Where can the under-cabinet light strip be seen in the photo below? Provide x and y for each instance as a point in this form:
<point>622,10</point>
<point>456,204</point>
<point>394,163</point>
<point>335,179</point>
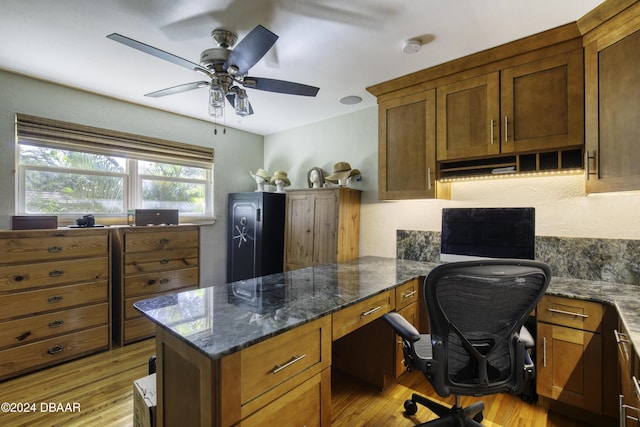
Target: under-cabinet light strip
<point>514,175</point>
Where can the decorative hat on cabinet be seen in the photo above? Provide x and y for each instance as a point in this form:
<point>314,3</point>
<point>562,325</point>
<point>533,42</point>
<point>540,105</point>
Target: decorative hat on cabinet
<point>261,177</point>
<point>280,180</point>
<point>341,173</point>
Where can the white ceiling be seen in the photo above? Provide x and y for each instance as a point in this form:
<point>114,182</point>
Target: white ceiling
<point>339,46</point>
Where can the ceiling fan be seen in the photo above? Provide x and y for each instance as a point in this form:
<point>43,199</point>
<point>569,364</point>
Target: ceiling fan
<point>226,69</point>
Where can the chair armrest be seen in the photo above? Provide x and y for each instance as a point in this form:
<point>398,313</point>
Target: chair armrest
<point>402,327</point>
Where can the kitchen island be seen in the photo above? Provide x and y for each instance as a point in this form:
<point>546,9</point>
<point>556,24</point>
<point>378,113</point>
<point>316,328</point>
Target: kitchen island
<point>259,352</point>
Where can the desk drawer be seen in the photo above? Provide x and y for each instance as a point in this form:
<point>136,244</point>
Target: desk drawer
<point>351,318</point>
<point>147,284</point>
<point>137,329</point>
<point>24,276</point>
<point>49,245</point>
<point>50,299</point>
<point>407,294</point>
<point>272,362</point>
<point>51,351</point>
<point>24,331</point>
<point>574,313</point>
<point>141,240</point>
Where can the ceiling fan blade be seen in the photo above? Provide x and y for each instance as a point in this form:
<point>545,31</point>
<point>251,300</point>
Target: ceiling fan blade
<point>231,97</point>
<point>158,53</point>
<point>251,49</point>
<point>177,89</point>
<point>280,86</point>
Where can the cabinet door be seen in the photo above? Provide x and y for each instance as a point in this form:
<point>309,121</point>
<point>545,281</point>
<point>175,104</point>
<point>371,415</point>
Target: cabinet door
<point>299,231</point>
<point>612,69</point>
<point>468,118</point>
<point>325,227</point>
<point>569,366</point>
<point>406,159</point>
<point>542,104</point>
<point>410,313</point>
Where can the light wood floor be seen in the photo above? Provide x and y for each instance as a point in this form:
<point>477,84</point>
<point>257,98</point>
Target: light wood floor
<point>102,385</point>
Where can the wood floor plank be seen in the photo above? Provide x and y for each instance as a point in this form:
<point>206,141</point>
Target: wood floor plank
<point>103,386</point>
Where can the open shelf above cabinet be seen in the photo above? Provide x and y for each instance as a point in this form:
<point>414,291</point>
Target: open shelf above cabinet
<point>518,164</point>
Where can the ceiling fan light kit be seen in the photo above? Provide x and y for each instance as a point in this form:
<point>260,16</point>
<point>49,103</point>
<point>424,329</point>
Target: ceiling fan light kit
<point>227,70</point>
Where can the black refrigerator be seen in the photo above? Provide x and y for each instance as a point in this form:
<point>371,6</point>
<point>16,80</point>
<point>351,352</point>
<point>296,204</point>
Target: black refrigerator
<point>256,235</point>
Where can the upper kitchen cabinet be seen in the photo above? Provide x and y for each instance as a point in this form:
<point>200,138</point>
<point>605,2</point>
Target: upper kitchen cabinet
<point>532,106</point>
<point>542,104</point>
<point>468,114</point>
<point>612,110</point>
<point>406,150</point>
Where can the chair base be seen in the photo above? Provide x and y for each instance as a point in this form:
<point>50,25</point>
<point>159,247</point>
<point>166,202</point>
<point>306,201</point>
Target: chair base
<point>455,416</point>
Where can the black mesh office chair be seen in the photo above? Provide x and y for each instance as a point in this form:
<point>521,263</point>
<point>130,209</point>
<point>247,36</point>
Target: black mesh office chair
<point>476,312</point>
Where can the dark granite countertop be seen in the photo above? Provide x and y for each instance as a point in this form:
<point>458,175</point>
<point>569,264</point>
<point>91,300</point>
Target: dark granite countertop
<point>223,319</point>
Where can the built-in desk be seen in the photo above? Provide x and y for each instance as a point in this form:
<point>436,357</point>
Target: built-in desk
<point>259,351</point>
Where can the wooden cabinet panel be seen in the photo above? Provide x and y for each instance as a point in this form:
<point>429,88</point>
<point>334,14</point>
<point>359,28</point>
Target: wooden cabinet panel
<point>409,312</point>
<point>147,262</point>
<point>150,238</point>
<point>407,293</point>
<point>468,118</point>
<point>406,147</point>
<point>574,313</point>
<point>321,226</point>
<point>146,284</point>
<point>542,104</point>
<point>612,82</point>
<point>569,366</point>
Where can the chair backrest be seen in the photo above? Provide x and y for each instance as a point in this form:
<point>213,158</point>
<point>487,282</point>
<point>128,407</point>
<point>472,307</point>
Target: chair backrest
<point>476,310</point>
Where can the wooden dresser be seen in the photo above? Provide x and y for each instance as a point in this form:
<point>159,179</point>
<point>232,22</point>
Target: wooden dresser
<point>54,297</point>
<point>149,262</point>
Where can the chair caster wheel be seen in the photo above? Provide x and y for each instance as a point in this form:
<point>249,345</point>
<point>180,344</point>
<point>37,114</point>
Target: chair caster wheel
<point>410,407</point>
<point>478,418</point>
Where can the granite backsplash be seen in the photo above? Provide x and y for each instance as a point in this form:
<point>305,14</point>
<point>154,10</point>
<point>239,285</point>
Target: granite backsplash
<point>608,260</point>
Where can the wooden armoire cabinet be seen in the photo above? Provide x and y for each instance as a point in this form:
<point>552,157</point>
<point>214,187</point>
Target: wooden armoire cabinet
<point>322,226</point>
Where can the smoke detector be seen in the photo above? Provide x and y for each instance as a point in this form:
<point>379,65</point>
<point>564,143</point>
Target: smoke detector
<point>411,46</point>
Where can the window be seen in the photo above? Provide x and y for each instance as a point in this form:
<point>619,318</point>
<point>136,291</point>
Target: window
<point>67,169</point>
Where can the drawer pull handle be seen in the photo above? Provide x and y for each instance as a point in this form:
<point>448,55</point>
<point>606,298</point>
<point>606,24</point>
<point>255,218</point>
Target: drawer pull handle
<point>408,294</point>
<point>164,241</point>
<point>544,352</point>
<point>54,249</point>
<point>55,299</point>
<point>164,281</point>
<point>151,282</point>
<point>293,360</point>
<point>618,336</point>
<point>55,349</point>
<point>23,336</point>
<point>370,312</point>
<point>18,278</point>
<point>56,323</point>
<point>568,313</point>
<point>164,261</point>
<point>56,273</point>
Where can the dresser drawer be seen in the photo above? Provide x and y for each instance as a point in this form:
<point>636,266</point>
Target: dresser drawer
<point>407,294</point>
<point>24,331</point>
<point>164,239</point>
<point>50,299</point>
<point>137,329</point>
<point>276,360</point>
<point>574,313</point>
<point>20,247</point>
<point>146,284</point>
<point>131,313</point>
<point>149,262</point>
<point>16,360</point>
<point>351,318</point>
<point>24,276</point>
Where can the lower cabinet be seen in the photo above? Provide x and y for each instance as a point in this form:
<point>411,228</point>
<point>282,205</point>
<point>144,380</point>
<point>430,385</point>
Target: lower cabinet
<point>407,297</point>
<point>573,365</point>
<point>629,392</point>
<point>283,381</point>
